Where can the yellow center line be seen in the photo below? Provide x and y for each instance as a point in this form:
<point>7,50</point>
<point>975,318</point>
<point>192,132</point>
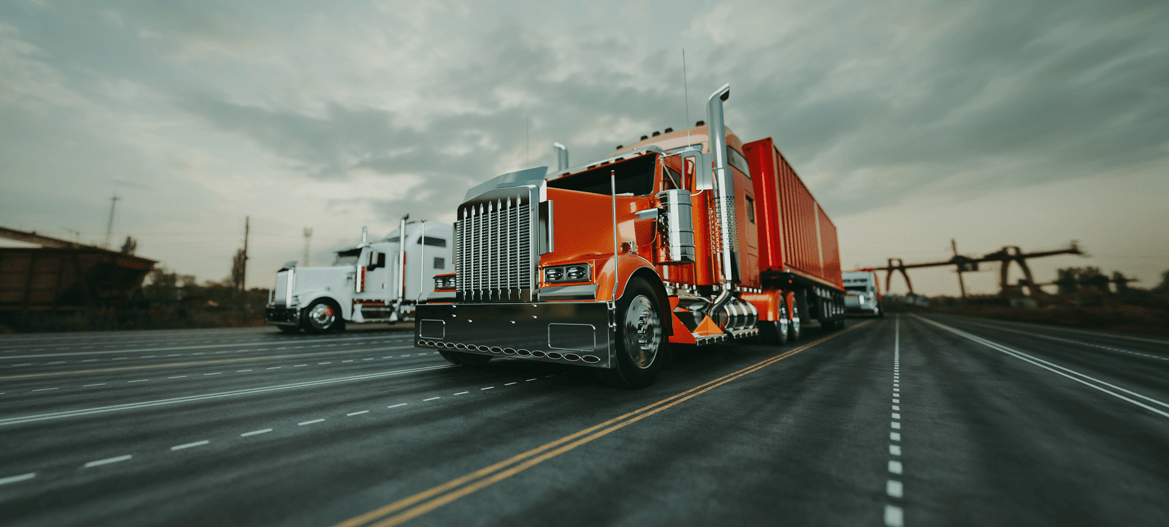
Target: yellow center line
<point>173,364</point>
<point>548,451</point>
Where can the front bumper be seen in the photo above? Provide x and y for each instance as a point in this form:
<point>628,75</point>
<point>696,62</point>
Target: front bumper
<point>578,332</point>
<point>282,316</point>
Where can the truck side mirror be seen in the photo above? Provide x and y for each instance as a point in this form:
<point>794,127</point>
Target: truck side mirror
<point>698,169</point>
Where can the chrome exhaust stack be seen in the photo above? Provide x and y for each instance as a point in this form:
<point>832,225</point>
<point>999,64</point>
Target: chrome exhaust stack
<point>401,268</point>
<point>561,157</point>
<point>724,188</point>
<point>724,202</point>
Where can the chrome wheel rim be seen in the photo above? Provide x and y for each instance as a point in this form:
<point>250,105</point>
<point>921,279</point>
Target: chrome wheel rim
<point>796,320</point>
<point>322,316</point>
<point>643,332</point>
<point>783,321</point>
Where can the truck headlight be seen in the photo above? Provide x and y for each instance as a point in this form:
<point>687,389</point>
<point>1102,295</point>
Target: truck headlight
<point>444,282</point>
<point>567,273</point>
<point>862,299</point>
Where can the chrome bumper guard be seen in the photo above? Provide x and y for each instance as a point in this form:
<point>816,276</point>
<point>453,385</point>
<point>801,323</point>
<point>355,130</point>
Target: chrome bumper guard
<point>573,332</point>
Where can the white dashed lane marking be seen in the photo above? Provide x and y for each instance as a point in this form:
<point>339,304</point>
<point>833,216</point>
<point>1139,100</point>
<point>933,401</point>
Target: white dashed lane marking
<point>107,461</point>
<point>256,432</point>
<point>310,422</point>
<point>190,445</point>
<point>357,413</point>
<point>894,514</point>
<point>14,479</point>
<point>431,399</point>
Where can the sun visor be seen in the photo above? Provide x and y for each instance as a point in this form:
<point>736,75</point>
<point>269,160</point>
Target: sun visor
<point>511,179</point>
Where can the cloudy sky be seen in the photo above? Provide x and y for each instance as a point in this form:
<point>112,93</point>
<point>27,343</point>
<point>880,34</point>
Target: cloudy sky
<point>913,122</point>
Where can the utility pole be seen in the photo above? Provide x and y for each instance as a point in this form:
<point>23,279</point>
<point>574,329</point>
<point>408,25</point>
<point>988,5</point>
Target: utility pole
<point>961,283</point>
<point>308,233</point>
<point>244,276</point>
<point>110,224</point>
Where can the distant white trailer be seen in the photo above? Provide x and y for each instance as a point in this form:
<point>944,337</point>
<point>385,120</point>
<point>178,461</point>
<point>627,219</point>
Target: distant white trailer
<point>378,281</point>
<point>863,293</point>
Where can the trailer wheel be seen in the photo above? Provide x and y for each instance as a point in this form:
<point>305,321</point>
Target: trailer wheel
<point>464,359</point>
<point>775,332</point>
<point>641,339</point>
<point>794,327</point>
<point>322,316</point>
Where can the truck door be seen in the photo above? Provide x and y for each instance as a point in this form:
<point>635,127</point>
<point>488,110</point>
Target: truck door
<point>378,282</point>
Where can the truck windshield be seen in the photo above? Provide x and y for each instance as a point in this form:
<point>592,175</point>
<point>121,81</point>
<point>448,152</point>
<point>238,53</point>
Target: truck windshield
<point>347,257</point>
<point>856,288</point>
<point>635,176</point>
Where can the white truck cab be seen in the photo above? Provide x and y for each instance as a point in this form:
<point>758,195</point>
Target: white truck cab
<point>379,281</point>
<point>862,293</point>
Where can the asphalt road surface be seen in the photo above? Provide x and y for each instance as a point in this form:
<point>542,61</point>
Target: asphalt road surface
<point>902,420</point>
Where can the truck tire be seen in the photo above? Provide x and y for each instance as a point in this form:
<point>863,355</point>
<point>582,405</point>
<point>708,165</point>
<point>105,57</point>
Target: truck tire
<point>288,329</point>
<point>794,326</point>
<point>642,346</point>
<point>464,359</point>
<point>322,316</point>
<point>775,332</point>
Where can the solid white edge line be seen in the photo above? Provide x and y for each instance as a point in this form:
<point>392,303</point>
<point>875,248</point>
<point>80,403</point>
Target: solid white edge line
<point>14,479</point>
<point>1045,365</point>
<point>189,445</point>
<point>1060,339</point>
<point>246,391</point>
<point>108,460</point>
<point>110,352</point>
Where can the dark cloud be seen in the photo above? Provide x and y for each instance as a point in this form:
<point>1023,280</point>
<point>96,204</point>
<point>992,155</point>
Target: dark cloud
<point>908,102</point>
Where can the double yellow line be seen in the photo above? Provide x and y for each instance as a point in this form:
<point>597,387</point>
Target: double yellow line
<point>428,500</point>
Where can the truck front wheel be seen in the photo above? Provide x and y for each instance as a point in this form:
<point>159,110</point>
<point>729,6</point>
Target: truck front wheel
<point>641,340</point>
<point>322,316</point>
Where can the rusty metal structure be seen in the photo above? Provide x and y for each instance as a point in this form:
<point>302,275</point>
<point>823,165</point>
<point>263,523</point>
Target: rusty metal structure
<point>61,275</point>
<point>965,264</point>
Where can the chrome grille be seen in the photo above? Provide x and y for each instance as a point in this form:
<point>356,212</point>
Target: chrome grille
<point>494,257</point>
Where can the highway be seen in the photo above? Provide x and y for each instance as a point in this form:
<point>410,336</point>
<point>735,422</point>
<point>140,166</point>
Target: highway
<point>902,420</point>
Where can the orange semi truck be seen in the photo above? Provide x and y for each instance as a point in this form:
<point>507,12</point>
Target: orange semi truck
<point>688,237</point>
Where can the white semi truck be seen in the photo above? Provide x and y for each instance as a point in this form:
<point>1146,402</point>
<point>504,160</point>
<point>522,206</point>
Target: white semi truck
<point>379,281</point>
<point>863,293</point>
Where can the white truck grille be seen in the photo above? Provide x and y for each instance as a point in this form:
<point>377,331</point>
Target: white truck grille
<point>493,245</point>
<point>283,290</point>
